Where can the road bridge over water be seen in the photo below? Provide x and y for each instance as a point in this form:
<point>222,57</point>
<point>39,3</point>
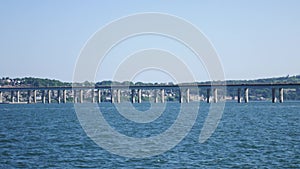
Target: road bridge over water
<point>78,94</point>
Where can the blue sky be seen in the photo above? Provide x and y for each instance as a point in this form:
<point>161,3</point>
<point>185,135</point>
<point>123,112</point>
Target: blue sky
<point>254,38</point>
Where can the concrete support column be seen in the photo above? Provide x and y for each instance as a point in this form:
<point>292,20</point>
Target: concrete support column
<point>180,96</point>
<point>18,96</point>
<point>280,95</point>
<point>208,95</point>
<point>162,95</point>
<point>99,96</point>
<point>58,96</point>
<point>118,96</point>
<point>28,96</point>
<point>215,95</point>
<point>187,95</point>
<point>132,96</point>
<point>75,96</point>
<point>93,95</point>
<point>139,95</point>
<point>1,100</point>
<point>112,99</point>
<point>12,97</point>
<point>239,95</point>
<point>246,97</point>
<point>43,96</point>
<point>80,96</point>
<point>64,96</point>
<point>34,96</point>
<point>273,95</point>
<point>49,96</point>
<point>155,96</point>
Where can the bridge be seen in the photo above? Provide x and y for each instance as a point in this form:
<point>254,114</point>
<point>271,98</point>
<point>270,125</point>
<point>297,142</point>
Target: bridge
<point>81,94</point>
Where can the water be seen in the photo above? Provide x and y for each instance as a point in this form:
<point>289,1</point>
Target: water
<point>254,135</point>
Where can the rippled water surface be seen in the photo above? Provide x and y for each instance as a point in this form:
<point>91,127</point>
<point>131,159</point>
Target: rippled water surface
<point>258,134</point>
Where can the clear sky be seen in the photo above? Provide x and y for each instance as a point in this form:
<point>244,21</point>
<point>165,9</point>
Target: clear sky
<point>254,38</point>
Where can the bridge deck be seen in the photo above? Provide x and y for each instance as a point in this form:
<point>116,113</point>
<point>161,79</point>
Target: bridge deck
<point>149,87</point>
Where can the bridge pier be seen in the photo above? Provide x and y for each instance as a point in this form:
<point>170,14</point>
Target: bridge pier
<point>180,96</point>
<point>99,96</point>
<point>93,95</point>
<point>208,95</point>
<point>43,96</point>
<point>34,96</point>
<point>187,95</point>
<point>239,95</point>
<point>58,96</point>
<point>246,96</point>
<point>49,96</point>
<point>155,96</point>
<point>274,95</point>
<point>215,95</point>
<point>132,96</point>
<point>112,98</point>
<point>1,100</point>
<point>162,95</point>
<point>139,96</point>
<point>118,96</point>
<point>12,97</point>
<point>64,96</point>
<point>18,96</point>
<point>281,95</point>
<point>80,96</point>
<point>74,96</point>
<point>28,97</point>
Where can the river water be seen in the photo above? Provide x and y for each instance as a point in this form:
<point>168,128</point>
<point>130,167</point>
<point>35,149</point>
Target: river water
<point>252,135</point>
